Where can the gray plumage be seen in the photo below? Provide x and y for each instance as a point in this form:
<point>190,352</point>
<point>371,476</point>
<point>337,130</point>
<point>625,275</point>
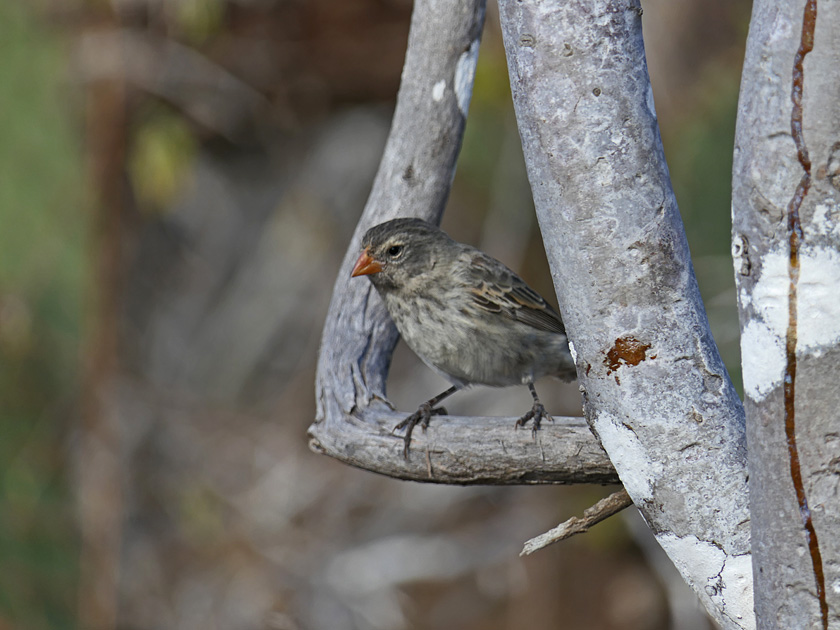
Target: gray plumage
<point>465,314</point>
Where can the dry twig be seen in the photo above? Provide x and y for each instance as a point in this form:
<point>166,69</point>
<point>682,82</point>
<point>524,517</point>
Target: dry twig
<point>602,510</point>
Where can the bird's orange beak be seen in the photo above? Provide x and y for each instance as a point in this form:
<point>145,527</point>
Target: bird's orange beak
<point>365,265</point>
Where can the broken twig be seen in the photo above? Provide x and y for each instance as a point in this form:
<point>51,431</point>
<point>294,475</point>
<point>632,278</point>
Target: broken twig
<point>602,510</point>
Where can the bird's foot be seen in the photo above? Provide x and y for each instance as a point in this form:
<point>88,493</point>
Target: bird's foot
<point>537,413</point>
<point>422,417</point>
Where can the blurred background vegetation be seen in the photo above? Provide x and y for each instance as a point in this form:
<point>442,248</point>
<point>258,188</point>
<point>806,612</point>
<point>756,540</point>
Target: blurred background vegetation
<point>178,180</point>
<point>43,228</point>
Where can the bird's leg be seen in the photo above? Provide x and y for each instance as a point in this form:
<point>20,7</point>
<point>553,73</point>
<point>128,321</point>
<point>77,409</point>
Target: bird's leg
<point>537,412</point>
<point>422,416</point>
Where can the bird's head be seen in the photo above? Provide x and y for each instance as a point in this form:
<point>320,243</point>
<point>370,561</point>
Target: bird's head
<point>397,251</point>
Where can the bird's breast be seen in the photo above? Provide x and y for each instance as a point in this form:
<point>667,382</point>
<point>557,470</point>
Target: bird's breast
<point>469,345</point>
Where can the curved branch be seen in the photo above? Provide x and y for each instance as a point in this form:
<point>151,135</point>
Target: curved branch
<point>655,389</point>
<point>353,423</point>
<point>471,450</point>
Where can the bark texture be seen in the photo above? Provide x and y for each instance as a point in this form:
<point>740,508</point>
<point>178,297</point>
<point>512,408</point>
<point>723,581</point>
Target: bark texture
<point>354,419</point>
<point>655,390</point>
<point>786,249</point>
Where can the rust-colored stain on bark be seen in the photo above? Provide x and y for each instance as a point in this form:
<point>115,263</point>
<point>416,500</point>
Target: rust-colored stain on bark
<point>626,351</point>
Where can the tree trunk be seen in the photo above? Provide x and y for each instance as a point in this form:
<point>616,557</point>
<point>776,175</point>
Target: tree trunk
<point>655,389</point>
<point>786,246</point>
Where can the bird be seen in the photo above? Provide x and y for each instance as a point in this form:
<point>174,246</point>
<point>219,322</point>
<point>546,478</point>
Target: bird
<point>465,314</point>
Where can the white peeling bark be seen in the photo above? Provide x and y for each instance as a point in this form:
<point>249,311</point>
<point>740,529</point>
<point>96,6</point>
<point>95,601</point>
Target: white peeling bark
<point>354,419</point>
<point>655,389</point>
<point>786,245</point>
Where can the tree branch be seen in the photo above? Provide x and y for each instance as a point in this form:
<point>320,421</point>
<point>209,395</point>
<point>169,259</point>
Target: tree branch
<point>606,507</point>
<point>471,450</point>
<point>655,389</point>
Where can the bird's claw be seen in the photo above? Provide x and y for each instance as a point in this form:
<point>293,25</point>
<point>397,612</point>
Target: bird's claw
<point>422,417</point>
<point>537,413</point>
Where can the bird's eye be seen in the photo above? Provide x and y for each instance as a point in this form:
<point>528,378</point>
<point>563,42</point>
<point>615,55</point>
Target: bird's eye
<point>395,251</point>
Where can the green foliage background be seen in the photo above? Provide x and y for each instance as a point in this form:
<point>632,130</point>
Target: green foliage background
<point>42,274</point>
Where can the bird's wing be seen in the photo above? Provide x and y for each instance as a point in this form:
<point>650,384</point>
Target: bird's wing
<point>497,289</point>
